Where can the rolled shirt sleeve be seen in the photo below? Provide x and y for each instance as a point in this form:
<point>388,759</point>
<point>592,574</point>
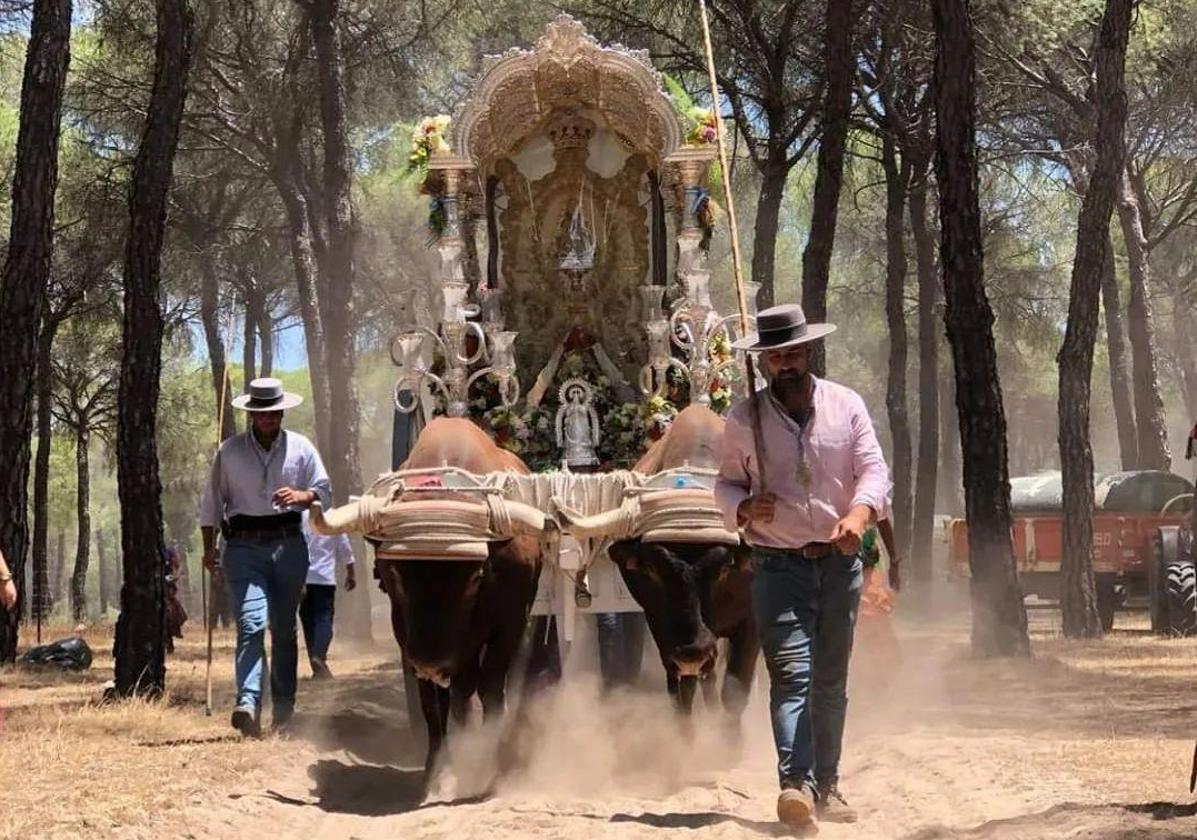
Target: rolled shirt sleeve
<point>318,481</point>
<point>868,464</point>
<point>734,483</point>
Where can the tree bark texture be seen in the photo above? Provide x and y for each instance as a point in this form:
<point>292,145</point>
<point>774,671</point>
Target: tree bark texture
<point>249,336</point>
<point>266,338</point>
<point>999,626</point>
<point>303,260</point>
<point>1078,601</point>
<point>839,73</point>
<point>41,465</point>
<point>26,274</point>
<point>138,650</point>
<point>930,330</point>
<point>1120,385</point>
<point>102,570</point>
<point>1151,423</point>
<point>59,570</point>
<point>83,532</point>
<point>768,220</point>
<point>217,358</point>
<point>336,290</point>
<point>897,180</point>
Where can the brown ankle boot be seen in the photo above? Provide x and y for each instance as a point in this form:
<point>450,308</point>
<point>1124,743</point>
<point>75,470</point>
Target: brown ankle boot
<point>832,807</point>
<point>796,807</point>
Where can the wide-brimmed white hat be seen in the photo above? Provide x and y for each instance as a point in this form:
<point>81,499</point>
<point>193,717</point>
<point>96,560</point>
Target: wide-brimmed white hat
<point>782,326</point>
<point>266,394</point>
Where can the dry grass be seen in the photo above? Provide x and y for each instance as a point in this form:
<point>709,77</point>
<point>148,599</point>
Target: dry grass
<point>82,768</point>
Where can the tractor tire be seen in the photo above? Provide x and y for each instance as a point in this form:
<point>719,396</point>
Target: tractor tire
<point>1166,546</point>
<point>1109,599</point>
<point>1181,579</point>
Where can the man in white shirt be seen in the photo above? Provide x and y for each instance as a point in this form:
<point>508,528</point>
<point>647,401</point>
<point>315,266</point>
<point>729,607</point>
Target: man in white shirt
<point>261,481</point>
<point>317,607</point>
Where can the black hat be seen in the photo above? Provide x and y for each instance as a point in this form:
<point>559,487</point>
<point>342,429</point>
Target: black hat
<point>782,326</point>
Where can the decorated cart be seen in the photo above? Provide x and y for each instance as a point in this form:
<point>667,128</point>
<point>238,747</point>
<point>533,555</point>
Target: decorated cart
<point>570,203</point>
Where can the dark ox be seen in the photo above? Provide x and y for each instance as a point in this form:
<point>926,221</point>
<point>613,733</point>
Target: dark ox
<point>693,594</point>
<point>459,622</point>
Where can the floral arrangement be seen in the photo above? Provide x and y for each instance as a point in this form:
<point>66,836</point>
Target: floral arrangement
<point>700,128</point>
<point>427,138</point>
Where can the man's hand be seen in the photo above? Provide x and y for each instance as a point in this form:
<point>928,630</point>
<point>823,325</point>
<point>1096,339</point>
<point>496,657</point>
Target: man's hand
<point>756,509</point>
<point>8,594</point>
<point>290,497</point>
<point>350,579</point>
<point>848,531</point>
<point>876,597</point>
<point>212,558</point>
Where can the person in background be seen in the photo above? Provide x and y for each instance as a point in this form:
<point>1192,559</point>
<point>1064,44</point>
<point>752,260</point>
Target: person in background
<point>8,589</point>
<point>319,595</point>
<point>176,615</point>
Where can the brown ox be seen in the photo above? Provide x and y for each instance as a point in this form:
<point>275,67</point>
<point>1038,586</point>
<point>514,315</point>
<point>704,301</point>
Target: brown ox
<point>692,593</point>
<point>460,622</point>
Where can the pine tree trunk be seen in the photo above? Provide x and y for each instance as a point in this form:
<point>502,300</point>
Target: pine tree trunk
<point>930,329</point>
<point>897,179</point>
<point>768,220</point>
<point>83,507</point>
<point>217,358</point>
<point>303,261</point>
<point>59,570</point>
<point>839,73</point>
<point>266,337</point>
<point>26,274</point>
<point>249,339</point>
<point>1078,601</point>
<point>336,290</point>
<point>41,465</point>
<point>1120,387</point>
<point>102,570</point>
<point>138,649</point>
<point>999,616</point>
<point>1149,405</point>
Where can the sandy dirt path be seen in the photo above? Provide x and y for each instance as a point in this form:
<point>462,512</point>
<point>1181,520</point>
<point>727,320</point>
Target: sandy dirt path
<point>1088,740</point>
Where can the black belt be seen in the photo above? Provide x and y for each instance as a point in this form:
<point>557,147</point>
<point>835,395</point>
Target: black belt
<point>277,527</point>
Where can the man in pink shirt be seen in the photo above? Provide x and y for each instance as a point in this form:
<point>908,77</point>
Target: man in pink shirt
<point>803,510</point>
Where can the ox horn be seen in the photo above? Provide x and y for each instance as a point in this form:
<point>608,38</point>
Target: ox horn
<point>618,523</point>
<point>357,516</point>
<point>509,517</point>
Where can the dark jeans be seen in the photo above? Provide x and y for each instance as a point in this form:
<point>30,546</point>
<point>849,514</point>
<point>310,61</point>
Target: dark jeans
<point>621,647</point>
<point>805,614</point>
<point>316,615</point>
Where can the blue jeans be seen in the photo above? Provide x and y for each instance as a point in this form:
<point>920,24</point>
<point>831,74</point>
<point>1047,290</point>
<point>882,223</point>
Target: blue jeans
<point>265,579</point>
<point>805,614</point>
<point>316,615</point>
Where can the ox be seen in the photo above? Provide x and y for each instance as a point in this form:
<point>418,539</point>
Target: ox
<point>692,593</point>
<point>460,622</point>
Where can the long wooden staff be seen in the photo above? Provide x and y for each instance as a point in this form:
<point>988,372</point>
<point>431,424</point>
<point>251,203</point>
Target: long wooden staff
<point>741,297</point>
<point>210,579</point>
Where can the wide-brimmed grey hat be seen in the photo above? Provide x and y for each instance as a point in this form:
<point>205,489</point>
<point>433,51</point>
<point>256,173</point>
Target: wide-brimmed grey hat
<point>266,394</point>
<point>782,326</point>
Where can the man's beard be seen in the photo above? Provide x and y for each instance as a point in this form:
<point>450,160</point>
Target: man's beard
<point>791,383</point>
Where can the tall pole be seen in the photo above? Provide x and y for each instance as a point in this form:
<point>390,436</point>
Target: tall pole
<point>737,272</point>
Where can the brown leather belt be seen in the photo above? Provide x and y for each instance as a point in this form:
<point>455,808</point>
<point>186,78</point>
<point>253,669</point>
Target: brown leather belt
<point>816,550</point>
